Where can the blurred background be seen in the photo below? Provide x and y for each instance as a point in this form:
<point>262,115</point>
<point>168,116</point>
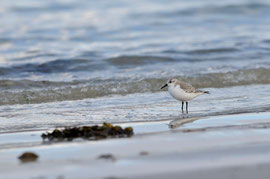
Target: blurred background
<point>68,50</point>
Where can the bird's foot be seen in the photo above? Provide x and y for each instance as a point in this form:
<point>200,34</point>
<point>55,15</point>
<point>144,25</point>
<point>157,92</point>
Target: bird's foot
<point>184,115</point>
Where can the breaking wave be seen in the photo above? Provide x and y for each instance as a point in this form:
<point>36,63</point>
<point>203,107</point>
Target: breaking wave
<point>27,91</point>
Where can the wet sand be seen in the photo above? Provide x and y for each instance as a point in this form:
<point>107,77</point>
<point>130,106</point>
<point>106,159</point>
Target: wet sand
<point>229,146</point>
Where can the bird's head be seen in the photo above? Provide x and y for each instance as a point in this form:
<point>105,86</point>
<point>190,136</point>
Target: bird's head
<point>169,83</point>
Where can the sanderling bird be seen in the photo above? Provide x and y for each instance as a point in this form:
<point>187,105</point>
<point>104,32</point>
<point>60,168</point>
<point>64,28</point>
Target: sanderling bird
<point>183,91</point>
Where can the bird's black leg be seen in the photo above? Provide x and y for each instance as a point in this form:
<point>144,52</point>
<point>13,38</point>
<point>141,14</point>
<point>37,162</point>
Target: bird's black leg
<point>182,106</point>
<point>187,107</point>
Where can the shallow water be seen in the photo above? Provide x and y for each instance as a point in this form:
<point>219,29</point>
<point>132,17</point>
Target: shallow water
<point>136,107</point>
<point>83,62</point>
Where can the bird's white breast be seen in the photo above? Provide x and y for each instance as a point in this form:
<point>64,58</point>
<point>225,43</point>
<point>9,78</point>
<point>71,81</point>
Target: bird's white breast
<point>180,94</point>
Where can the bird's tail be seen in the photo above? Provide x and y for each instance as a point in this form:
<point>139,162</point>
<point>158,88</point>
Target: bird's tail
<point>202,92</point>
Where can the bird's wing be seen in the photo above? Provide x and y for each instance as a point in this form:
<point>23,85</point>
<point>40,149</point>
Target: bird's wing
<point>188,88</point>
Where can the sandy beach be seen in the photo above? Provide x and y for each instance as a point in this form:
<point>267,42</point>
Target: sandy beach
<point>70,63</point>
<point>229,146</point>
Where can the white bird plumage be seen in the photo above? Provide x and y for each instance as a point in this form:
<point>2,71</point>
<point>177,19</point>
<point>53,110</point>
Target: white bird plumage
<point>182,91</point>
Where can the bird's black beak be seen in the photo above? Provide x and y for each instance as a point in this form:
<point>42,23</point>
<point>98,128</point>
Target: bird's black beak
<point>163,86</point>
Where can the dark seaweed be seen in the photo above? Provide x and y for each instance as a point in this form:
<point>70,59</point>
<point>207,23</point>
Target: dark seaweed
<point>95,132</point>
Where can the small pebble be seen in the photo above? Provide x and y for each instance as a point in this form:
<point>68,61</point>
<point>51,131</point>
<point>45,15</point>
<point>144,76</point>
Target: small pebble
<point>107,157</point>
<point>28,157</point>
<point>144,153</point>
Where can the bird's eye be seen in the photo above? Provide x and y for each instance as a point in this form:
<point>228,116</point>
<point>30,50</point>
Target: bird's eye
<point>170,81</point>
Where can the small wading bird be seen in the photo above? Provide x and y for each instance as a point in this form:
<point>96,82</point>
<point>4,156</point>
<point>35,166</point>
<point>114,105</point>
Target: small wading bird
<point>183,91</point>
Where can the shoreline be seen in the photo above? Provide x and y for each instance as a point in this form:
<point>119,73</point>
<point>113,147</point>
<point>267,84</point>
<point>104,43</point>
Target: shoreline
<point>217,144</point>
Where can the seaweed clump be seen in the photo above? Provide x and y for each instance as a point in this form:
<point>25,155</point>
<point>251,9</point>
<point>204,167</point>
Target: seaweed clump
<point>95,132</point>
